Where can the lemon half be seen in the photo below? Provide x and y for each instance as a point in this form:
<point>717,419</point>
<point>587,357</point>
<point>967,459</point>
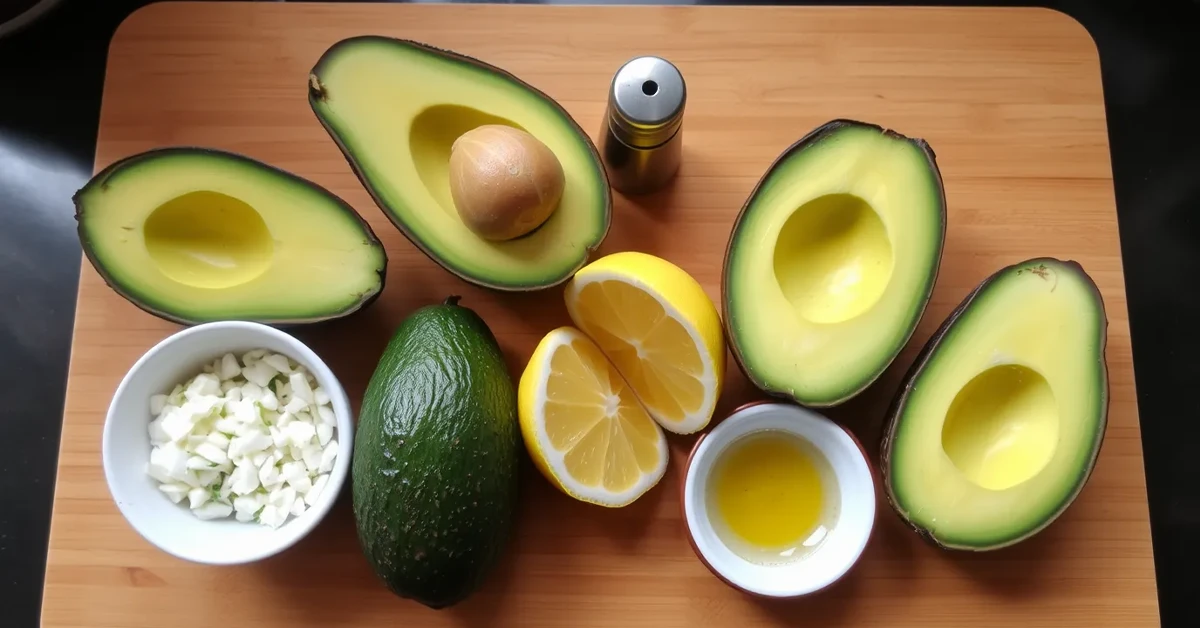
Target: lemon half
<point>584,427</point>
<point>660,330</point>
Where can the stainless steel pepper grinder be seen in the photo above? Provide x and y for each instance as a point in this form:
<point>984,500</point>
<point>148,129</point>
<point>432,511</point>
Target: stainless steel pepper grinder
<point>642,139</point>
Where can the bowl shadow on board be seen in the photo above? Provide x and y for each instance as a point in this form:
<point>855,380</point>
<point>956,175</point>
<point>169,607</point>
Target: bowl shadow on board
<point>827,607</point>
<point>641,222</point>
<point>521,320</point>
<point>331,554</point>
<point>352,345</point>
<point>482,607</point>
<point>624,527</point>
<point>1010,572</point>
<point>542,515</point>
<point>300,576</point>
<point>1014,571</point>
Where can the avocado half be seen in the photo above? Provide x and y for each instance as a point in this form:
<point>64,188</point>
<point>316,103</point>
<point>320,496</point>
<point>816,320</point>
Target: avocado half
<point>998,424</point>
<point>832,261</point>
<point>395,107</point>
<point>196,234</point>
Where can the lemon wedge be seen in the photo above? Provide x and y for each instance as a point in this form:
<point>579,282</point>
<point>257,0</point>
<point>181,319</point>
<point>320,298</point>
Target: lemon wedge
<point>583,426</point>
<point>660,330</point>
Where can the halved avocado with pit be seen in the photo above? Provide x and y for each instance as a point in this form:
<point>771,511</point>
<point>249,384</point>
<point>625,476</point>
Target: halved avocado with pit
<point>395,107</point>
<point>194,235</point>
<point>832,261</point>
<point>998,424</point>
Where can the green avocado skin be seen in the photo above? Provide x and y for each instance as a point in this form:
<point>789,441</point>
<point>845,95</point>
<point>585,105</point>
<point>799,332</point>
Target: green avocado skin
<point>436,457</point>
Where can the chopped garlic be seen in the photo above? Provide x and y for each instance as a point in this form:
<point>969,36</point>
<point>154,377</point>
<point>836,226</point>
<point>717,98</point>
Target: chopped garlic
<point>259,373</point>
<point>314,493</point>
<point>202,385</point>
<point>253,356</point>
<point>300,387</point>
<point>327,417</point>
<point>157,435</point>
<point>212,452</point>
<point>292,470</point>
<point>245,480</point>
<point>176,425</point>
<point>301,483</point>
<point>300,433</point>
<point>328,455</point>
<point>191,479</point>
<point>175,491</point>
<point>278,362</point>
<point>200,463</point>
<point>268,473</point>
<point>251,391</point>
<point>168,462</point>
<point>249,438</point>
<point>312,457</point>
<point>197,497</point>
<point>246,505</point>
<point>270,515</point>
<point>213,510</point>
<point>243,410</point>
<point>219,439</point>
<point>229,368</point>
<point>157,403</point>
<point>278,437</point>
<point>295,405</point>
<point>206,478</point>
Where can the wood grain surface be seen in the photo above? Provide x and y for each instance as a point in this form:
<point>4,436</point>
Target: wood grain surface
<point>1011,102</point>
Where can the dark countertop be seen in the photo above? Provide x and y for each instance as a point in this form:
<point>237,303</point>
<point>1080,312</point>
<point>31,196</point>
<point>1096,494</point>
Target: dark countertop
<point>49,108</point>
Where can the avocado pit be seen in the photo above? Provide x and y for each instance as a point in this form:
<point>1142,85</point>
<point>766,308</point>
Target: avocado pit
<point>431,137</point>
<point>504,181</point>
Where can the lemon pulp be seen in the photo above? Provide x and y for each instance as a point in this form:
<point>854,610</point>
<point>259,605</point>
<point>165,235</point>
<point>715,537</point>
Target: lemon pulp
<point>658,327</point>
<point>652,350</point>
<point>583,426</point>
<point>608,438</point>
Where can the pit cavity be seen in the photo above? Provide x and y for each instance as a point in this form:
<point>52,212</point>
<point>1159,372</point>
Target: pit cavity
<point>833,258</point>
<point>430,138</point>
<point>1002,427</point>
<point>208,239</point>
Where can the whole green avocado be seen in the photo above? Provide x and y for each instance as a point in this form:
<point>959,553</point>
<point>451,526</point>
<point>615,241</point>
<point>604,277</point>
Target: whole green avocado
<point>436,457</point>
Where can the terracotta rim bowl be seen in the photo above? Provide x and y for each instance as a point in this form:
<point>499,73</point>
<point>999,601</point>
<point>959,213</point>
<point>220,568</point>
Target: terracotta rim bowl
<point>845,542</point>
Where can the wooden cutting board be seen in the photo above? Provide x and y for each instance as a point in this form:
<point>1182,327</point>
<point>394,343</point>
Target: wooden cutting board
<point>1011,101</point>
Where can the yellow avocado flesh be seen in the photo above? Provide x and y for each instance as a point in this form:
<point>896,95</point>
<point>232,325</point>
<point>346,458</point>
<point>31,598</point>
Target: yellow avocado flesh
<point>832,261</point>
<point>197,235</point>
<point>1003,418</point>
<point>395,109</point>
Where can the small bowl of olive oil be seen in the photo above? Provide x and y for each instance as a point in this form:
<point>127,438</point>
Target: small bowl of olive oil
<point>779,501</point>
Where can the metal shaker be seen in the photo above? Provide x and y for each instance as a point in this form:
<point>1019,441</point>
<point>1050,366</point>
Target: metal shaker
<point>641,142</point>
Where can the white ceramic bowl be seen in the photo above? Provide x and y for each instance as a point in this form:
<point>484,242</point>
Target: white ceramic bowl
<point>845,542</point>
<point>126,447</point>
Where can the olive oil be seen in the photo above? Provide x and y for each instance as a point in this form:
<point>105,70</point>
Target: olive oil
<point>773,497</point>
